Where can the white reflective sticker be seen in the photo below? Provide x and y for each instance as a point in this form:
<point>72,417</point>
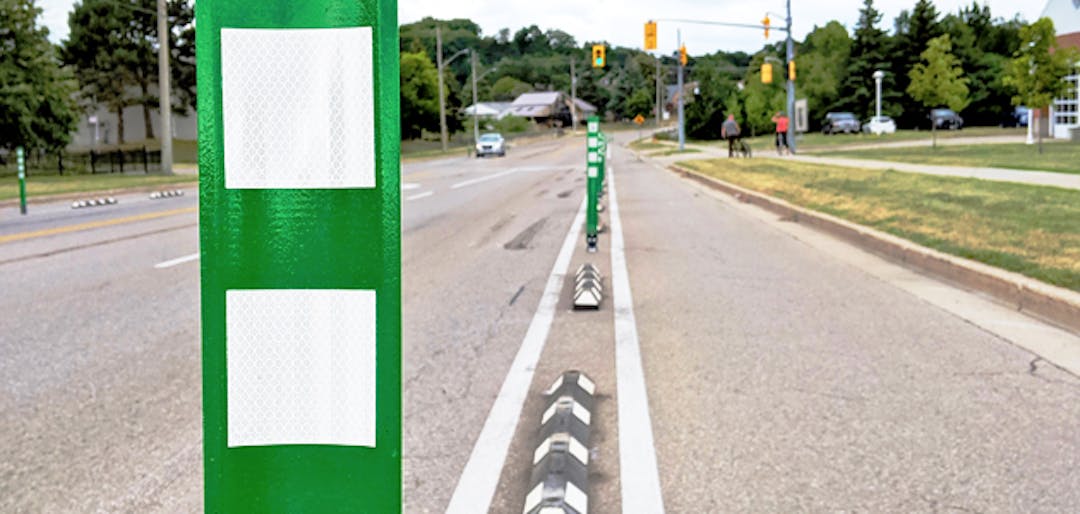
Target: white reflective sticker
<point>300,367</point>
<point>576,498</point>
<point>579,451</point>
<point>594,171</point>
<point>594,157</point>
<point>298,108</point>
<point>533,499</point>
<point>586,384</point>
<point>594,143</point>
<point>582,413</point>
<point>554,386</point>
<point>594,126</point>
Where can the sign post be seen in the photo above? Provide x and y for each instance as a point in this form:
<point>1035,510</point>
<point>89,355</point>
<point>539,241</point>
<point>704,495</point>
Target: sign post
<point>20,160</point>
<point>594,163</point>
<point>301,247</point>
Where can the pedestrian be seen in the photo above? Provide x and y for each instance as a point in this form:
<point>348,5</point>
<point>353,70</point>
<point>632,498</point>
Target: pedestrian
<point>730,131</point>
<point>781,121</point>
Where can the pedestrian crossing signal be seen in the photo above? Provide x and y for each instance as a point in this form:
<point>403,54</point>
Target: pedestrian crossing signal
<point>598,58</point>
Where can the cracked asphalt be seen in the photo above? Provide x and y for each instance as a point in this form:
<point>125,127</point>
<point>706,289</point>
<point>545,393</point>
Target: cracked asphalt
<point>781,378</point>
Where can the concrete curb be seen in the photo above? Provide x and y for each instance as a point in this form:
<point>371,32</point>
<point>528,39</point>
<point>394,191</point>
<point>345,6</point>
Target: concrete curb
<point>1054,304</point>
<point>38,200</point>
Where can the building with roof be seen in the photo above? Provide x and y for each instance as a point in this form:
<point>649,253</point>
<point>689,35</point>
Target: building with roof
<point>1065,112</point>
<point>551,108</point>
<point>489,110</point>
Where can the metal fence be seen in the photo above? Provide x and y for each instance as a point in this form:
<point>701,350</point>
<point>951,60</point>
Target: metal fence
<point>129,160</point>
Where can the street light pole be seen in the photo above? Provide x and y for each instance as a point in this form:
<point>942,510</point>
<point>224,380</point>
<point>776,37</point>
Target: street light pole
<point>475,112</point>
<point>682,126</point>
<point>659,99</point>
<point>878,75</point>
<point>164,80</point>
<point>442,92</point>
<point>573,96</point>
<point>790,84</point>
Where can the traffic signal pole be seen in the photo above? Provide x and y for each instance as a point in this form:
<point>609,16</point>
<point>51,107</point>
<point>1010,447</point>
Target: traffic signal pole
<point>790,84</point>
<point>682,124</point>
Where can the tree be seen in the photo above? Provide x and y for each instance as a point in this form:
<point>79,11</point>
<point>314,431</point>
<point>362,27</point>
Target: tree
<point>419,95</point>
<point>869,51</point>
<point>1038,69</point>
<point>939,79</point>
<point>37,110</point>
<point>506,89</point>
<point>914,31</point>
<point>823,61</point>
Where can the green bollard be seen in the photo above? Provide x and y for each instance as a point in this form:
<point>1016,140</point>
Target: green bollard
<point>20,158</point>
<point>594,165</point>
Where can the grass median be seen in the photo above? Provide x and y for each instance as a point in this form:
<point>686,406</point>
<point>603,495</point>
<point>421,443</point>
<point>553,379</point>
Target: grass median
<point>48,185</point>
<point>1031,230</point>
<point>1059,157</point>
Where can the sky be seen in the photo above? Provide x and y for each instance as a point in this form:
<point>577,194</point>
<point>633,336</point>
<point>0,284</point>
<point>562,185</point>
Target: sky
<point>620,22</point>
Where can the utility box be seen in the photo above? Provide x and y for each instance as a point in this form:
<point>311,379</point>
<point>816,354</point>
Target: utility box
<point>802,116</point>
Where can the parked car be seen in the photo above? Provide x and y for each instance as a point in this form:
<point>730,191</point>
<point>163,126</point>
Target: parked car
<point>1018,117</point>
<point>836,122</point>
<point>879,125</point>
<point>946,119</point>
<point>491,144</point>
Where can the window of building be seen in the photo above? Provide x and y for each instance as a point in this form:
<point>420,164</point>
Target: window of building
<point>1067,108</point>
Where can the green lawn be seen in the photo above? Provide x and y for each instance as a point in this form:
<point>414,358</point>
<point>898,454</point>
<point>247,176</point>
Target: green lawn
<point>673,151</point>
<point>1031,230</point>
<point>816,141</point>
<point>55,185</point>
<point>1060,157</point>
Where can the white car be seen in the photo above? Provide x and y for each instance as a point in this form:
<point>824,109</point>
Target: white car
<point>879,125</point>
<point>491,144</point>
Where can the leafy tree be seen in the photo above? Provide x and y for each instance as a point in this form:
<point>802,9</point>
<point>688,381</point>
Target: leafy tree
<point>869,53</point>
<point>419,95</point>
<point>914,32</point>
<point>823,62</point>
<point>506,89</point>
<point>37,110</point>
<point>717,76</point>
<point>182,55</point>
<point>1039,67</point>
<point>939,79</point>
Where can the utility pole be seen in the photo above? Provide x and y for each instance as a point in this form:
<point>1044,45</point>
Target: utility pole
<point>442,94</point>
<point>164,81</point>
<point>659,91</point>
<point>682,126</point>
<point>573,96</point>
<point>790,84</point>
<point>475,113</point>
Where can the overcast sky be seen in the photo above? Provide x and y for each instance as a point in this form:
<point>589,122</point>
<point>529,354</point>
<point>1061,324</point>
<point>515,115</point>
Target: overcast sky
<point>620,22</point>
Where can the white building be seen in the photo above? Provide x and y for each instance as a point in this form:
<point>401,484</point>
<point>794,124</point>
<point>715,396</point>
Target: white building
<point>1065,112</point>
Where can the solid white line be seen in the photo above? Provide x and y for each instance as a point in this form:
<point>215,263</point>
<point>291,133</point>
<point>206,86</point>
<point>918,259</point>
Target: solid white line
<point>637,453</point>
<point>419,196</point>
<point>177,261</point>
<point>476,487</point>
<point>486,178</point>
<point>407,186</point>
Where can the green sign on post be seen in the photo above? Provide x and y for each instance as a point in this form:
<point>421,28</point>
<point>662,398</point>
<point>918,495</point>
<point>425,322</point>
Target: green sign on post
<point>594,163</point>
<point>301,248</point>
<point>20,160</point>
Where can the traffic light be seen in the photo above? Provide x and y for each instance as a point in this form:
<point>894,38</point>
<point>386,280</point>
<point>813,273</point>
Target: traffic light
<point>682,55</point>
<point>766,22</point>
<point>791,70</point>
<point>598,59</point>
<point>650,35</point>
<point>766,73</point>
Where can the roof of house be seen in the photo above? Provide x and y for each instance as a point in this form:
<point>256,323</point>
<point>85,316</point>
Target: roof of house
<point>1065,14</point>
<point>584,106</point>
<point>546,98</point>
<point>487,108</point>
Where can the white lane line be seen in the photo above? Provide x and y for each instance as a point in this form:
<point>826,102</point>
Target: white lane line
<point>483,179</point>
<point>476,487</point>
<point>177,261</point>
<point>408,186</point>
<point>637,452</point>
<point>419,196</point>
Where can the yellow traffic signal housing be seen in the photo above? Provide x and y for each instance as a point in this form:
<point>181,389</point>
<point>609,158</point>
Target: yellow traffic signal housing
<point>766,73</point>
<point>598,58</point>
<point>791,70</point>
<point>766,22</point>
<point>650,35</point>
<point>682,55</point>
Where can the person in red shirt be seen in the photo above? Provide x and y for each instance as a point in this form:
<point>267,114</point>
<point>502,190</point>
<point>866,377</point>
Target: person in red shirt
<point>781,122</point>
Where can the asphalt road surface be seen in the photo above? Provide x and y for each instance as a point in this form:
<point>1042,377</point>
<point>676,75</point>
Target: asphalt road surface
<point>779,371</point>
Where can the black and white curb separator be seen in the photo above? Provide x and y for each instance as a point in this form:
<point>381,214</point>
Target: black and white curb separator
<point>93,202</point>
<point>588,287</point>
<point>559,483</point>
<point>166,194</point>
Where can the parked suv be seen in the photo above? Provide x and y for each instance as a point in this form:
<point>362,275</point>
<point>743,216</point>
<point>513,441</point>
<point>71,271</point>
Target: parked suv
<point>946,119</point>
<point>836,122</point>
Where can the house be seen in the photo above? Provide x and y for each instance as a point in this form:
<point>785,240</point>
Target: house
<point>549,108</point>
<point>671,104</point>
<point>491,110</point>
<point>100,126</point>
<point>1065,111</point>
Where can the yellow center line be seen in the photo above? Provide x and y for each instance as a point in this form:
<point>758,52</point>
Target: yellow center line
<point>95,224</point>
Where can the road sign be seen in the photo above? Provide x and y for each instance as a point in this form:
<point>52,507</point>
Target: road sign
<point>639,119</point>
<point>300,233</point>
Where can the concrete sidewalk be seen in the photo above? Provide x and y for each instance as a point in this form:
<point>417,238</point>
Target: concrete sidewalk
<point>1035,178</point>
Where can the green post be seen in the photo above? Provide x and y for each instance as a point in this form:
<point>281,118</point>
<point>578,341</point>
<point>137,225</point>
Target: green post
<point>593,165</point>
<point>299,139</point>
<point>603,165</point>
<point>20,159</point>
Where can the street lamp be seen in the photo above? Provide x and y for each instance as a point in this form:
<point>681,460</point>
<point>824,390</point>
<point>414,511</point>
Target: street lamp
<point>442,94</point>
<point>878,75</point>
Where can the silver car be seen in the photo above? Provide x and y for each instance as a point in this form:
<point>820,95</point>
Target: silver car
<point>491,144</point>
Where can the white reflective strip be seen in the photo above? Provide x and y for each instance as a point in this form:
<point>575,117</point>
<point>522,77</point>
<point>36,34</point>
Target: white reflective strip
<point>554,387</point>
<point>594,171</point>
<point>533,499</point>
<point>300,367</point>
<point>298,108</point>
<point>586,384</point>
<point>594,126</point>
<point>177,261</point>
<point>577,500</point>
<point>552,510</point>
<point>594,157</point>
<point>551,410</point>
<point>593,142</point>
<point>579,450</point>
<point>582,413</point>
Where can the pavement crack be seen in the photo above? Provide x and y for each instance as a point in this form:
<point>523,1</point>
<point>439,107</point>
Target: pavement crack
<point>514,299</point>
<point>522,240</point>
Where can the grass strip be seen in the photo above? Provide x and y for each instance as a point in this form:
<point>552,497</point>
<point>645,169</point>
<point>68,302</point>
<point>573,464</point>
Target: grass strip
<point>1059,157</point>
<point>1032,230</point>
<point>47,185</point>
